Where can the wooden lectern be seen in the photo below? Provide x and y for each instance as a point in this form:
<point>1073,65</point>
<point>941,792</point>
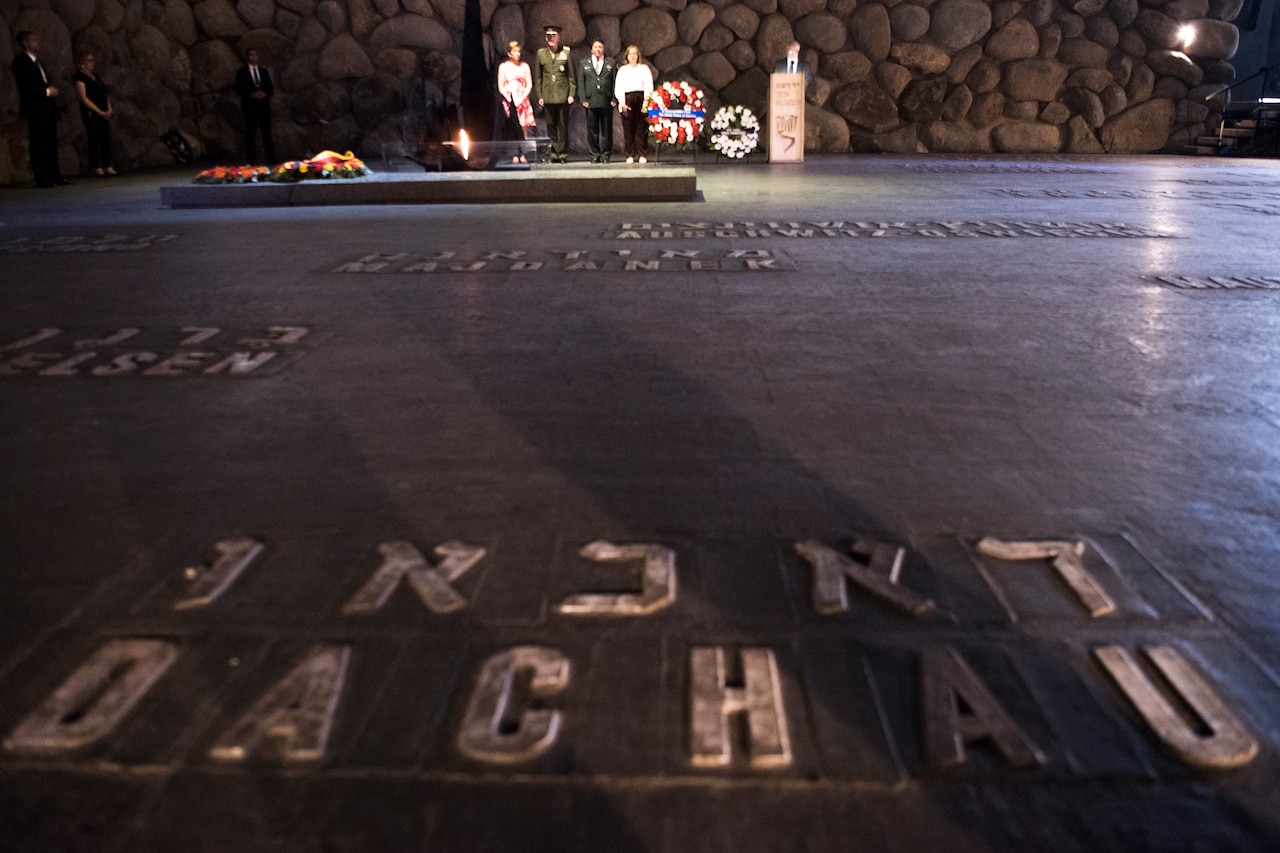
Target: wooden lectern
<point>786,118</point>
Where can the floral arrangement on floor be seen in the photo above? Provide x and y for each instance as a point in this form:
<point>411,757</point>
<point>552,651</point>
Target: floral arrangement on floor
<point>325,165</point>
<point>735,132</point>
<point>676,113</point>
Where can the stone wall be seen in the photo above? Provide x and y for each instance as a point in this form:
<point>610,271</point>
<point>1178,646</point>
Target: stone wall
<point>1013,76</point>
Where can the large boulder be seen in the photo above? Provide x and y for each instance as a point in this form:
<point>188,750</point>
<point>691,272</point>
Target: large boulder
<point>412,31</point>
<point>1175,64</point>
<point>178,21</point>
<point>869,27</point>
<point>741,54</point>
<point>921,101</point>
<point>374,98</point>
<point>750,89</point>
<point>983,77</point>
<point>333,15</point>
<point>1139,130</point>
<point>651,30</point>
<point>213,67</point>
<point>825,131</point>
<point>1141,83</point>
<point>1087,105</point>
<point>949,137</point>
<point>957,103</point>
<point>1160,30</point>
<point>560,13</point>
<point>76,14</point>
<point>344,57</point>
<point>323,102</point>
<point>1185,10</point>
<point>864,104</point>
<point>909,22</point>
<point>987,109</point>
<point>1080,138</point>
<point>669,59</point>
<point>1034,79</point>
<point>1082,52</point>
<point>772,39</point>
<point>150,49</point>
<point>1093,79</point>
<point>1102,30</point>
<point>900,141</point>
<point>606,29</point>
<point>1224,10</point>
<point>1027,137</point>
<point>218,19</point>
<point>1114,100</point>
<point>740,20</point>
<point>845,67</point>
<point>692,21</point>
<point>822,32</point>
<point>716,37</point>
<point>274,50</point>
<point>714,70</point>
<point>1213,39</point>
<point>959,23</point>
<point>257,13</point>
<point>921,58</point>
<point>795,9</point>
<point>1017,39</point>
<point>892,77</point>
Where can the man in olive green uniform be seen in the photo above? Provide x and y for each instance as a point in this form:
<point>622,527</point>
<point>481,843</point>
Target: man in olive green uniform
<point>555,86</point>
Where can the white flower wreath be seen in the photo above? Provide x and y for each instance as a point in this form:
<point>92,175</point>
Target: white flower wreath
<point>735,132</point>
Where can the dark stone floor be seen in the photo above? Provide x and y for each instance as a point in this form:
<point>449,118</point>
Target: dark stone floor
<point>920,352</point>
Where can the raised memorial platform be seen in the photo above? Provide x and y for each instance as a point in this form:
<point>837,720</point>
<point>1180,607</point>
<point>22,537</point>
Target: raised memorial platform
<point>575,183</point>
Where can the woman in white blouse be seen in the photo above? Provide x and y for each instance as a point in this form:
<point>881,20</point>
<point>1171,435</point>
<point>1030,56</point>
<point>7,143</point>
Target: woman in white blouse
<point>632,85</point>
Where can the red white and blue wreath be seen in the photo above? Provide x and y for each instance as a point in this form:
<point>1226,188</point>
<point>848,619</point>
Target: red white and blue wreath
<point>676,113</point>
<point>735,132</point>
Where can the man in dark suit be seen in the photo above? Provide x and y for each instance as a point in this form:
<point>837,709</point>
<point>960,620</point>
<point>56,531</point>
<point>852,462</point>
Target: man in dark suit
<point>37,105</point>
<point>793,65</point>
<point>595,90</point>
<point>253,85</point>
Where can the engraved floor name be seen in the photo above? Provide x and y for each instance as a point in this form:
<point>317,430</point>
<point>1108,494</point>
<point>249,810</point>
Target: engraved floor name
<point>1123,633</point>
<point>83,244</point>
<point>1221,282</point>
<point>57,352</point>
<point>873,229</point>
<point>571,260</point>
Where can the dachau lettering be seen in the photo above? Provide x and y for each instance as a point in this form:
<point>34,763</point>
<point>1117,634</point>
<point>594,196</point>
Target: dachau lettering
<point>519,703</point>
<point>840,229</point>
<point>185,351</point>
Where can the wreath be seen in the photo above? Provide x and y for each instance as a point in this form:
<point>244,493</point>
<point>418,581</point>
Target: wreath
<point>326,164</point>
<point>676,113</point>
<point>735,132</point>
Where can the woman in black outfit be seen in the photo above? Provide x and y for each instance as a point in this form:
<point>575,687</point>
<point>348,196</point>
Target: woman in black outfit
<point>95,112</point>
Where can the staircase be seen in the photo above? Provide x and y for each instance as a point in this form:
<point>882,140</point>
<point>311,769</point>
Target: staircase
<point>1248,129</point>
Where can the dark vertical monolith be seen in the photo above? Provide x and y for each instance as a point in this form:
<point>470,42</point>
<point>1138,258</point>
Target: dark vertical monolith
<point>476,89</point>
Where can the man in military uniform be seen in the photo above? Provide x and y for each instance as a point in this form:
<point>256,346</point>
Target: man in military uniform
<point>555,86</point>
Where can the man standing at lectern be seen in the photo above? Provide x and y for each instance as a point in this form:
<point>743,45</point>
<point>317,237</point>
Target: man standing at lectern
<point>595,90</point>
<point>253,85</point>
<point>555,84</point>
<point>793,65</point>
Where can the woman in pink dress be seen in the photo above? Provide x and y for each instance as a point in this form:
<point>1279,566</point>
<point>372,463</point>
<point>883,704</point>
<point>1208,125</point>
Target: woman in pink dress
<point>515,82</point>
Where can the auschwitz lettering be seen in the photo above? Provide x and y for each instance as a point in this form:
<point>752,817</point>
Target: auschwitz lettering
<point>517,707</point>
<point>79,244</point>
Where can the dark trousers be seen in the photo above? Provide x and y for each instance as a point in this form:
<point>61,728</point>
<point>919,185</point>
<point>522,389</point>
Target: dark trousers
<point>600,132</point>
<point>258,119</point>
<point>558,129</point>
<point>43,149</point>
<point>98,130</point>
<point>635,126</point>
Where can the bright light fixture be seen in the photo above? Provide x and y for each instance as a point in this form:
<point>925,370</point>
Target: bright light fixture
<point>1186,34</point>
